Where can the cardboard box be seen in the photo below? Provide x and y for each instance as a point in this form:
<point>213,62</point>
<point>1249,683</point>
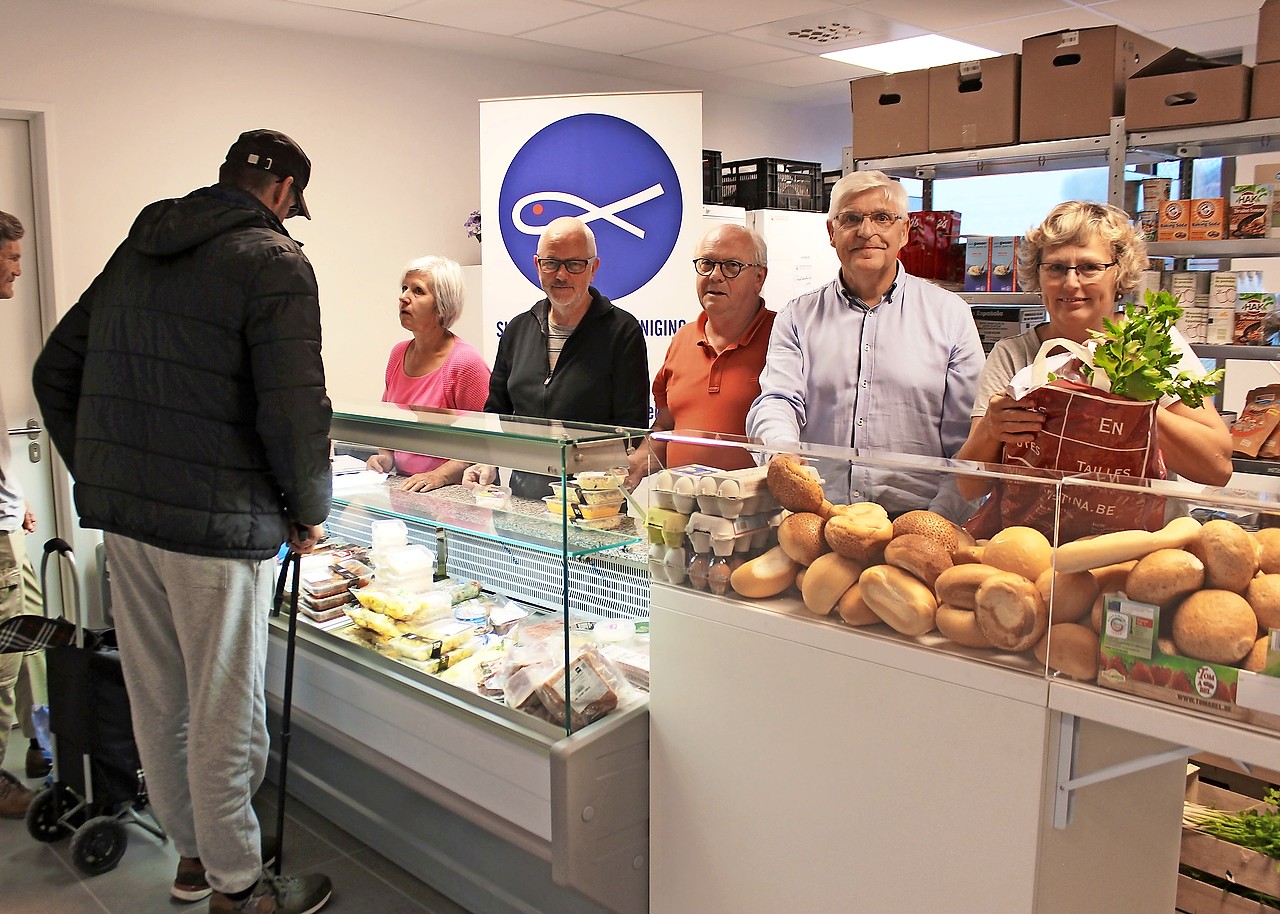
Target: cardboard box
<point>1073,82</point>
<point>1268,32</point>
<point>1174,221</point>
<point>977,263</point>
<point>1194,324</point>
<point>1179,89</point>
<point>998,322</point>
<point>1155,191</point>
<point>974,104</point>
<point>1265,100</point>
<point>1208,219</point>
<point>890,114</point>
<point>1266,173</point>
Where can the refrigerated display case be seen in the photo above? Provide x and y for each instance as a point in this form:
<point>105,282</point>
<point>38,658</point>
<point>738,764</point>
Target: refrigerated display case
<point>503,805</point>
<point>827,747</point>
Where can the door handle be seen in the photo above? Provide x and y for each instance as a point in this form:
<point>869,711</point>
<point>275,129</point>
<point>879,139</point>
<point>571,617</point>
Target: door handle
<point>32,429</point>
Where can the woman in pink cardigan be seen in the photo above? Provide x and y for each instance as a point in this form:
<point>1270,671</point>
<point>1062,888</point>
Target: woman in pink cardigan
<point>434,368</point>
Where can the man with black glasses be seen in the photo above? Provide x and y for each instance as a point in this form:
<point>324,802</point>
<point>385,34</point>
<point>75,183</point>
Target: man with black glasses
<point>711,373</point>
<point>876,359</point>
<point>573,356</point>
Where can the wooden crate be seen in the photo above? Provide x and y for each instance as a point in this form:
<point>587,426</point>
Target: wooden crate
<point>1225,860</point>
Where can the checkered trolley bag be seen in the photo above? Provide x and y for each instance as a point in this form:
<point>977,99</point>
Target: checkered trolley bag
<point>97,786</point>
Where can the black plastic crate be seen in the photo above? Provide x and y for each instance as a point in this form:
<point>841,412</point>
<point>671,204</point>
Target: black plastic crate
<point>773,184</point>
<point>829,179</point>
<point>711,176</point>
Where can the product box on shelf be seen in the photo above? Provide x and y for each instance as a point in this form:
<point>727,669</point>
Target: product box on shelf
<point>1252,308</point>
<point>1194,324</point>
<point>977,263</point>
<point>890,114</point>
<point>1208,217</point>
<point>1148,224</point>
<point>1268,32</point>
<point>1174,221</point>
<point>974,104</point>
<point>1250,208</point>
<point>1087,66</point>
<point>1004,263</point>
<point>1155,191</point>
<point>998,322</point>
<point>930,235</point>
<point>1181,89</point>
<point>1264,101</point>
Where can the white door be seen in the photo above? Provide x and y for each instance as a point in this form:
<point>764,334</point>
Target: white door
<point>21,338</point>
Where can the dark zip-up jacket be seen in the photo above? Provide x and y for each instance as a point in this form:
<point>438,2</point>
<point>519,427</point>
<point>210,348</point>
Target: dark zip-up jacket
<point>601,376</point>
<point>185,390</point>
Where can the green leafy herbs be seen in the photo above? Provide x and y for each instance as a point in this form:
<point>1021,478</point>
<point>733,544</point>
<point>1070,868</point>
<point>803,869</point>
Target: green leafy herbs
<point>1256,829</point>
<point>1138,355</point>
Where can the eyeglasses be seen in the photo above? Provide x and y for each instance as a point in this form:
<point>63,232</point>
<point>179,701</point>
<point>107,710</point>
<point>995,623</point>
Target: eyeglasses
<point>1085,272</point>
<point>729,269</point>
<point>879,220</point>
<point>552,265</point>
<point>295,208</point>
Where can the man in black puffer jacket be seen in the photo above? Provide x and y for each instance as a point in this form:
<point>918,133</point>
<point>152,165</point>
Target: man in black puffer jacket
<point>185,391</point>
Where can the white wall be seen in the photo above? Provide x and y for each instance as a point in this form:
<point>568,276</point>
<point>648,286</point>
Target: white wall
<point>144,106</point>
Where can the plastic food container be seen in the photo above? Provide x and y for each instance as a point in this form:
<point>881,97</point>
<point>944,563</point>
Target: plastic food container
<point>492,496</point>
<point>585,512</point>
<point>576,495</point>
<point>609,479</point>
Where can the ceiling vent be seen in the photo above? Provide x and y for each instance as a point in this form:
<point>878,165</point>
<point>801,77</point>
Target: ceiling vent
<point>824,33</point>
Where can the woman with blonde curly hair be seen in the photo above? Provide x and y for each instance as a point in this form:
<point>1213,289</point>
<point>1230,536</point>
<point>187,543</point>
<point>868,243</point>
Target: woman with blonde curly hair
<point>1083,259</point>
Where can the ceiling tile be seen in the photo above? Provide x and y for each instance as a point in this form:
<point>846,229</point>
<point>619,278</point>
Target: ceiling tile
<point>1007,36</point>
<point>1209,37</point>
<point>715,52</point>
<point>613,32</point>
<point>939,17</point>
<point>498,17</point>
<point>359,6</point>
<point>718,16</point>
<point>1145,16</point>
<point>803,71</point>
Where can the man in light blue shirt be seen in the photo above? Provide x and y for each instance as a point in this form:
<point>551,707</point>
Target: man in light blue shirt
<point>877,360</point>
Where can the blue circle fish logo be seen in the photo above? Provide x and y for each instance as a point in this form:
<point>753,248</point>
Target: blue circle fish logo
<point>610,174</point>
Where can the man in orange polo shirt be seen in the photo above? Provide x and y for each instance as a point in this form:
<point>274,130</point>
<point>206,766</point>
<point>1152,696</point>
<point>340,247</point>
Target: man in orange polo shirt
<point>711,374</point>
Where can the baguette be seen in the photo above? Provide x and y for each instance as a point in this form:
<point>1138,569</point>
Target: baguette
<point>1110,548</point>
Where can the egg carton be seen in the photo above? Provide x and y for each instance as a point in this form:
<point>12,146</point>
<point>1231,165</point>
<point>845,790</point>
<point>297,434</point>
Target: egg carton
<point>725,536</point>
<point>665,526</point>
<point>667,564</point>
<point>676,489</point>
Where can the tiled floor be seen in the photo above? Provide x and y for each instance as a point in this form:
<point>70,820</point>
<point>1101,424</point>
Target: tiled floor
<point>37,878</point>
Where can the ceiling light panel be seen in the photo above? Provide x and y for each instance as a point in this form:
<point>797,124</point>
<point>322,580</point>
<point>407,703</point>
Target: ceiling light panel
<point>918,53</point>
<point>803,71</point>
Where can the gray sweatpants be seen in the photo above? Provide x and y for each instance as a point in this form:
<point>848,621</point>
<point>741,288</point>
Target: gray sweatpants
<point>193,643</point>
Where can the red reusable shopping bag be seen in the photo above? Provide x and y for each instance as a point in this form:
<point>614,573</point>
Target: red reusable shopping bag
<point>1087,431</point>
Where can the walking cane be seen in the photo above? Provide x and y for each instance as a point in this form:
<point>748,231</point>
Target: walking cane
<point>291,560</point>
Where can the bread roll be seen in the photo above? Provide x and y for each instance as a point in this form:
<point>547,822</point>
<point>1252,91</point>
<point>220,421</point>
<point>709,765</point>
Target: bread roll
<point>826,581</point>
<point>860,532</point>
<point>1070,648</point>
<point>923,556</point>
<point>854,610</point>
<point>969,555</point>
<point>1021,550</point>
<point>1215,625</point>
<point>1164,577</point>
<point>1069,596</point>
<point>1229,555</point>
<point>1268,539</point>
<point>1263,594</point>
<point>1010,612</point>
<point>958,585</point>
<point>927,523</point>
<point>766,575</point>
<point>1123,545</point>
<point>899,599</point>
<point>800,536</point>
<point>1256,660</point>
<point>961,626</point>
<point>799,581</point>
<point>792,486</point>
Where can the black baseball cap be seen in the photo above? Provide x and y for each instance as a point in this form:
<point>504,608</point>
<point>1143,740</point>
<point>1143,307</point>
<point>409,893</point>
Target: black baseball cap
<point>272,151</point>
